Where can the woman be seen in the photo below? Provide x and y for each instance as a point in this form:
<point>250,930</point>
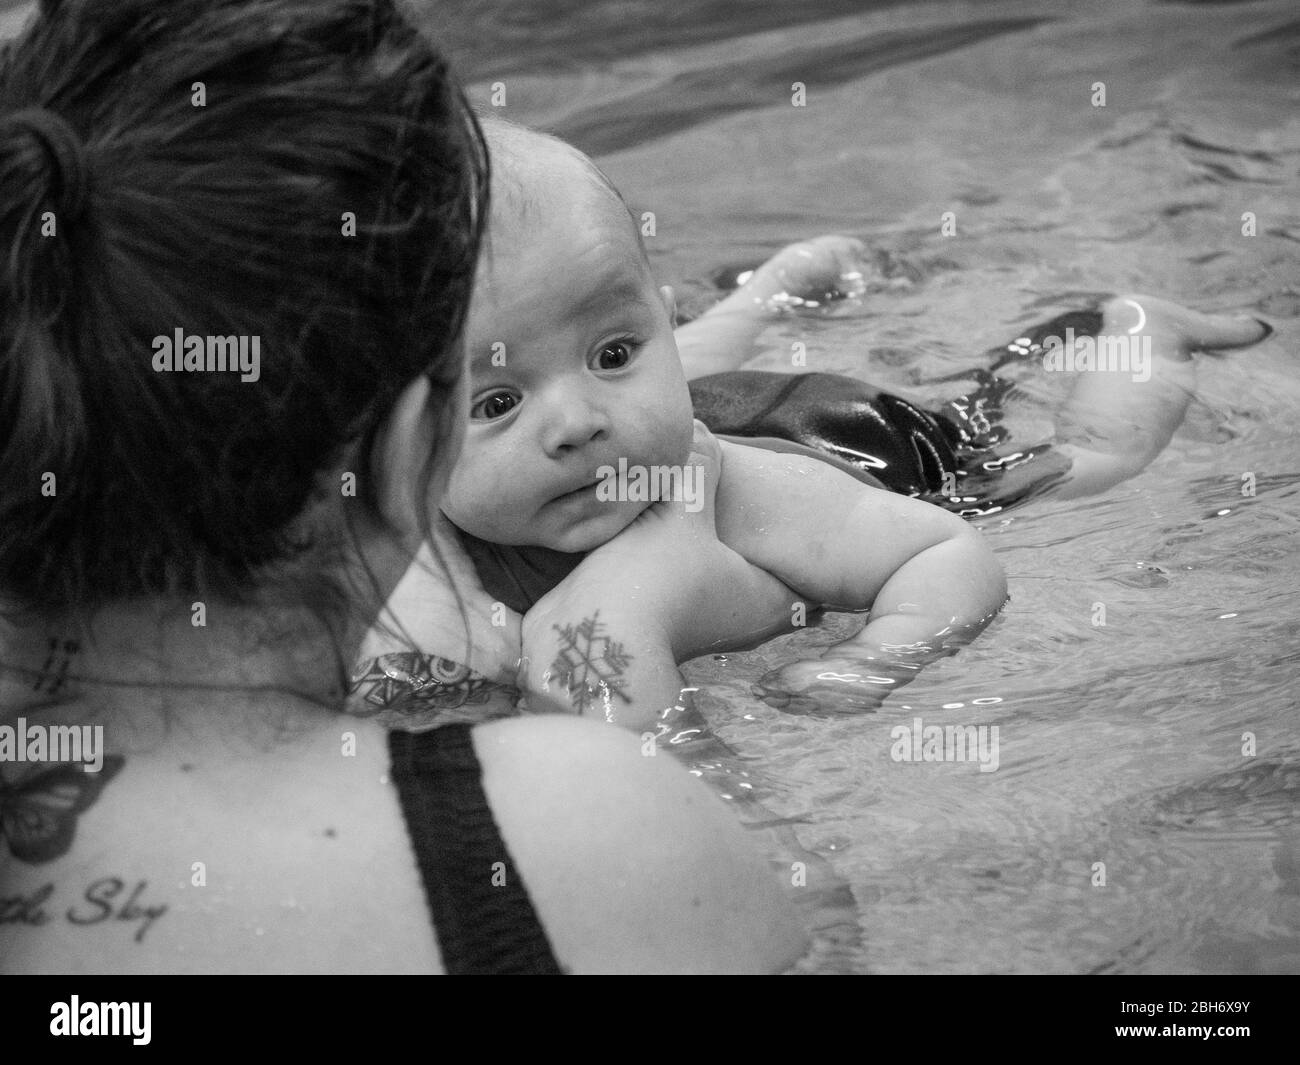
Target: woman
<point>241,243</point>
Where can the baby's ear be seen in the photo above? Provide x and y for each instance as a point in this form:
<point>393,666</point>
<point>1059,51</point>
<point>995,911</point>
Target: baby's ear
<point>418,426</point>
<point>670,303</point>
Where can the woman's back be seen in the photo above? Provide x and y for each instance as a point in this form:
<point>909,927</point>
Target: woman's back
<point>291,859</point>
<point>253,831</point>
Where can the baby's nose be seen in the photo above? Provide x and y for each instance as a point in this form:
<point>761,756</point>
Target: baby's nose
<point>575,422</point>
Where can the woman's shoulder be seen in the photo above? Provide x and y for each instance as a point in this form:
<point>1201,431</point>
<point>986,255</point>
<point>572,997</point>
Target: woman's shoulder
<point>216,850</point>
<point>632,864</point>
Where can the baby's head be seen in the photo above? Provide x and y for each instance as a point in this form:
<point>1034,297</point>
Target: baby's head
<point>573,364</point>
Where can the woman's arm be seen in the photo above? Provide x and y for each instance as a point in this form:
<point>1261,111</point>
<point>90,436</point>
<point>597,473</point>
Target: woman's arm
<point>607,640</point>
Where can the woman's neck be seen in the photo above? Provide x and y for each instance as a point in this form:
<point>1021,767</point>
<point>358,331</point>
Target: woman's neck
<point>186,653</point>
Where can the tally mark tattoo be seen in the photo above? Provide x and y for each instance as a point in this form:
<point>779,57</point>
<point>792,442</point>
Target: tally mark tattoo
<point>589,664</point>
<point>38,818</point>
<point>54,672</point>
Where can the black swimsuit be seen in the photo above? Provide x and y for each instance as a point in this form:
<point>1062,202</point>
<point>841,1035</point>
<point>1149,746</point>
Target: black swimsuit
<point>483,918</point>
<point>951,457</point>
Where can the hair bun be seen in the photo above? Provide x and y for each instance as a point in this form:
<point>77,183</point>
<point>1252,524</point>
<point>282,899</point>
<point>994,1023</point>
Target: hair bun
<point>63,146</point>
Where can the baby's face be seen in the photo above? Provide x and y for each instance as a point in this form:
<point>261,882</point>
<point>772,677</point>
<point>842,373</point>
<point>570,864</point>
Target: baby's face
<point>573,366</point>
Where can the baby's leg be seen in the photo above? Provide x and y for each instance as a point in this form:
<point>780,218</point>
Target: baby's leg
<point>1116,420</point>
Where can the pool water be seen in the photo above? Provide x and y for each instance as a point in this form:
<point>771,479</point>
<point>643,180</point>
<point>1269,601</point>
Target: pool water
<point>1120,744</point>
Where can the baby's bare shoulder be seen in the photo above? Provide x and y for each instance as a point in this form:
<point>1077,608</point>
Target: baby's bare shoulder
<point>762,487</point>
<point>813,525</point>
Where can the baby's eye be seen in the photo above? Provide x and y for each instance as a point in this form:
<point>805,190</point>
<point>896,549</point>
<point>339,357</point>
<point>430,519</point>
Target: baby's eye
<point>614,355</point>
<point>495,405</point>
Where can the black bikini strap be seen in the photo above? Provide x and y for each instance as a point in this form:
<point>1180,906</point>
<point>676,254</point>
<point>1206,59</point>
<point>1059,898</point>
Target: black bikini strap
<point>482,915</point>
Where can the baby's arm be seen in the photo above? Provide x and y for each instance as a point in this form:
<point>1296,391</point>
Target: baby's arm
<point>722,338</point>
<point>929,578</point>
<point>607,640</point>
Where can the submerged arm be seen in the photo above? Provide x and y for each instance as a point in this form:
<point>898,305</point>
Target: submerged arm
<point>930,580</point>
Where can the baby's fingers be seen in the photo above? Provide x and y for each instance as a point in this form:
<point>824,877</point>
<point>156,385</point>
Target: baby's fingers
<point>822,687</point>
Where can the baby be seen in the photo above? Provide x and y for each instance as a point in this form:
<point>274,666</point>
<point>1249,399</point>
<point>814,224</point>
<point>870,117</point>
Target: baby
<point>575,374</point>
<point>579,402</point>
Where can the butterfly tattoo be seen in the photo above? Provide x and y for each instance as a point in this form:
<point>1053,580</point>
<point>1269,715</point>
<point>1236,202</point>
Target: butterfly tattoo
<point>38,818</point>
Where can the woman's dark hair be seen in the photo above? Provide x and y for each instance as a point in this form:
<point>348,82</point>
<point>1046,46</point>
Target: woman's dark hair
<point>194,165</point>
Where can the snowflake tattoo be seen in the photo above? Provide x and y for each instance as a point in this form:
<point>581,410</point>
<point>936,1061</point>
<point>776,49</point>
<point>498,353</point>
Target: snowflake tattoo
<point>590,665</point>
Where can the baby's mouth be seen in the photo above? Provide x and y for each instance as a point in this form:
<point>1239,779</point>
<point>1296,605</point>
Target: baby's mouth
<point>577,493</point>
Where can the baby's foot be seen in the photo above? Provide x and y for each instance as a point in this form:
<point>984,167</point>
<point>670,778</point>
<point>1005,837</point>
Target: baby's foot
<point>1131,385</point>
<point>1176,331</point>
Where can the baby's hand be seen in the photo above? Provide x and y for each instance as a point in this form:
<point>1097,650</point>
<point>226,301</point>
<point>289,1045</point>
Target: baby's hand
<point>834,685</point>
<point>811,272</point>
